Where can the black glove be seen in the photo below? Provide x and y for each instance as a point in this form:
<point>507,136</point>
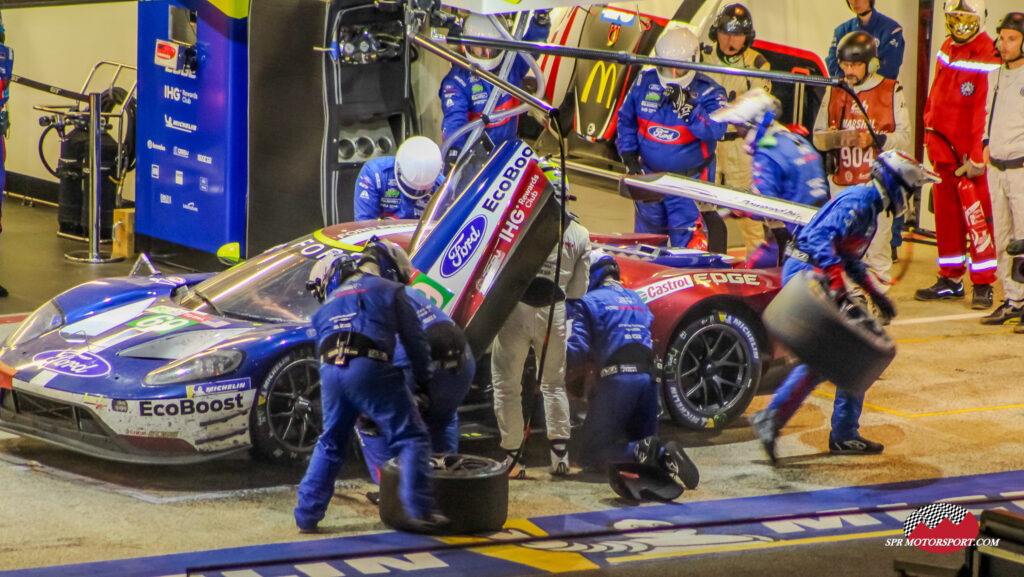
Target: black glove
<point>632,160</point>
<point>421,396</point>
<point>882,302</point>
<point>681,101</point>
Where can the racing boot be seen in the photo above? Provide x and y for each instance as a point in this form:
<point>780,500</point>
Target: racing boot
<point>767,431</point>
<point>514,465</point>
<point>982,297</point>
<point>670,457</point>
<point>559,457</point>
<point>1004,314</point>
<point>856,446</point>
<point>944,288</point>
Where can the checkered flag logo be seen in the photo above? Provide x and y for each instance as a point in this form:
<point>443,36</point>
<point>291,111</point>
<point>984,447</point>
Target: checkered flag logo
<point>932,515</point>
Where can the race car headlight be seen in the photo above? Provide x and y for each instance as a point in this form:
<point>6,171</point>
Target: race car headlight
<point>43,320</point>
<point>203,366</point>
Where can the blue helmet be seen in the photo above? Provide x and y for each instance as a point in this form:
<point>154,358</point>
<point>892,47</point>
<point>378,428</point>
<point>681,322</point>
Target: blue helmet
<point>329,272</point>
<point>900,175</point>
<point>601,268</point>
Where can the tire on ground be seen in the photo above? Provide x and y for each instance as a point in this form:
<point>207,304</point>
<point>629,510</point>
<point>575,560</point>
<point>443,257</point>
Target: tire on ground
<point>286,417</point>
<point>846,346</point>
<point>711,371</point>
<point>471,491</point>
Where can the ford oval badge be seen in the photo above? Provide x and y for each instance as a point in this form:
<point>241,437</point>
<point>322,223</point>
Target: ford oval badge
<point>463,246</point>
<point>73,363</point>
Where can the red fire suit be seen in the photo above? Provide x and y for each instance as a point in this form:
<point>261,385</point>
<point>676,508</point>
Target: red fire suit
<point>956,111</point>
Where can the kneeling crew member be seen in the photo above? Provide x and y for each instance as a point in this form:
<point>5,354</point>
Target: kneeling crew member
<point>611,331</point>
<point>399,186</point>
<point>356,333</point>
<point>833,242</point>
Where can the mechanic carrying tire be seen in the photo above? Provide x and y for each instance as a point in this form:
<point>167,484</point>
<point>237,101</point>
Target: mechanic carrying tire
<point>833,242</point>
<point>611,332</point>
<point>356,332</point>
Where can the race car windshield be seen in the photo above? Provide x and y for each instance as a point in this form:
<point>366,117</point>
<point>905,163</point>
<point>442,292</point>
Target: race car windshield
<point>458,179</point>
<point>270,287</point>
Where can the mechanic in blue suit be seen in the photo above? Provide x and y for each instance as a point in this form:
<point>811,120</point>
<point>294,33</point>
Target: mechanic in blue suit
<point>888,32</point>
<point>356,329</point>
<point>464,95</point>
<point>785,166</point>
<point>454,367</point>
<point>835,241</point>
<point>611,332</point>
<point>399,186</point>
<point>6,70</point>
<point>664,125</point>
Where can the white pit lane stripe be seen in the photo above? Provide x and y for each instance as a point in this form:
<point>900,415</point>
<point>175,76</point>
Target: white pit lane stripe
<point>923,320</point>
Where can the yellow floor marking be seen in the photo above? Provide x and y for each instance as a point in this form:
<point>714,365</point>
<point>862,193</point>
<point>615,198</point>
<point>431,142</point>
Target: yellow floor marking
<point>757,545</point>
<point>551,561</point>
<point>934,414</point>
<point>939,319</point>
<point>943,337</point>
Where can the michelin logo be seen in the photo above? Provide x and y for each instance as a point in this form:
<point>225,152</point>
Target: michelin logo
<point>215,388</point>
<point>179,125</point>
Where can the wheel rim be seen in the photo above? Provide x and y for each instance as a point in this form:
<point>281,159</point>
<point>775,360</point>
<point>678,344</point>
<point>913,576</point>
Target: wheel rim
<point>293,406</point>
<point>713,368</point>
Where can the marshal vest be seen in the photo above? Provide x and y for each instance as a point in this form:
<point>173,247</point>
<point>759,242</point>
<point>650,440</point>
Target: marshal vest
<point>843,113</point>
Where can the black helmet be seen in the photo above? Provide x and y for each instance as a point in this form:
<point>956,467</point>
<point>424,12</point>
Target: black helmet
<point>733,19</point>
<point>858,46</point>
<point>1013,21</point>
<point>391,259</point>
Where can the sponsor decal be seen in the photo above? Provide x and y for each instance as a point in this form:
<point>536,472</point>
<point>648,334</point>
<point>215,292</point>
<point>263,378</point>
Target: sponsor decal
<point>179,125</point>
<point>179,177</point>
<point>609,76</point>
<point>180,152</point>
<point>154,170</point>
<point>179,95</point>
<point>664,288</point>
<point>618,17</point>
<point>185,407</point>
<point>709,278</point>
<point>967,88</point>
<point>204,184</point>
<point>204,159</point>
<point>161,323</point>
<point>73,363</point>
<point>941,528</point>
<point>217,388</point>
<point>170,281</point>
<point>166,199</point>
<point>432,289</point>
<point>94,401</point>
<point>662,133</point>
<point>190,207</point>
<point>184,73</point>
<point>466,242</point>
<point>154,146</point>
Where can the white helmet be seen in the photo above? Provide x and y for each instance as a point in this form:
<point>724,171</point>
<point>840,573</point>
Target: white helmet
<point>964,18</point>
<point>486,58</point>
<point>677,43</point>
<point>900,174</point>
<point>749,109</point>
<point>417,164</point>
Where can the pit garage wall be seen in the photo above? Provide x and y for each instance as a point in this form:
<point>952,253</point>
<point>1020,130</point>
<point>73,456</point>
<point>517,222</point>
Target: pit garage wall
<point>58,46</point>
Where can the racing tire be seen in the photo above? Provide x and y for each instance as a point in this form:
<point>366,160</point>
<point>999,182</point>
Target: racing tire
<point>471,491</point>
<point>844,344</point>
<point>711,371</point>
<point>287,417</point>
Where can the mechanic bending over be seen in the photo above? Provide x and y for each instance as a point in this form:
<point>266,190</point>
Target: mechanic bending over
<point>732,34</point>
<point>841,129</point>
<point>454,367</point>
<point>834,241</point>
<point>664,126</point>
<point>399,186</point>
<point>785,166</point>
<point>611,333</point>
<point>527,326</point>
<point>356,329</point>
<point>464,95</point>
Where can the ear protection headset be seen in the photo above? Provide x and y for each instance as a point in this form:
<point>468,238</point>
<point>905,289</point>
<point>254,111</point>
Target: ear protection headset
<point>734,19</point>
<point>1012,21</point>
<point>859,46</point>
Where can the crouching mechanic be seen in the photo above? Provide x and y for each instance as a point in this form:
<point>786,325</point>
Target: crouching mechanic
<point>834,241</point>
<point>356,333</point>
<point>611,331</point>
<point>399,186</point>
<point>785,166</point>
<point>454,367</point>
<point>527,326</point>
<point>664,126</point>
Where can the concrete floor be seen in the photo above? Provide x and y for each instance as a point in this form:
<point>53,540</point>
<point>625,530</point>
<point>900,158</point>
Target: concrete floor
<point>949,405</point>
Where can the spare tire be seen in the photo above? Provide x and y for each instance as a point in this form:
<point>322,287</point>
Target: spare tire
<point>844,344</point>
<point>471,491</point>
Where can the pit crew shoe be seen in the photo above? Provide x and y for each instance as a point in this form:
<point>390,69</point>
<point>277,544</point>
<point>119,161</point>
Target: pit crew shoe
<point>1004,314</point>
<point>856,446</point>
<point>559,457</point>
<point>943,289</point>
<point>763,424</point>
<point>308,529</point>
<point>514,465</point>
<point>433,524</point>
<point>982,297</point>
<point>679,464</point>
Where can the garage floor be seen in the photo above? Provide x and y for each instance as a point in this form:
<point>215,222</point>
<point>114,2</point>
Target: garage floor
<point>950,405</point>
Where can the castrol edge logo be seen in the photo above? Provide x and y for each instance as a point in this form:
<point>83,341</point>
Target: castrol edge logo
<point>675,284</point>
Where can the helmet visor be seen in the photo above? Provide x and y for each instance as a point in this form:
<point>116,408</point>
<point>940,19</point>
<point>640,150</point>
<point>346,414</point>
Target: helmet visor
<point>484,52</point>
<point>962,26</point>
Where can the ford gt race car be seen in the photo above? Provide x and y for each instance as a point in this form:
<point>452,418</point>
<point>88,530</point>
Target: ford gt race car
<point>177,369</point>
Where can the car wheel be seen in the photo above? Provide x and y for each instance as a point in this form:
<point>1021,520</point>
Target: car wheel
<point>842,343</point>
<point>471,491</point>
<point>287,418</point>
<point>711,371</point>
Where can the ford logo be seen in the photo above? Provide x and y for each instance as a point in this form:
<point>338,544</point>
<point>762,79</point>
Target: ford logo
<point>463,246</point>
<point>663,134</point>
<point>72,363</point>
